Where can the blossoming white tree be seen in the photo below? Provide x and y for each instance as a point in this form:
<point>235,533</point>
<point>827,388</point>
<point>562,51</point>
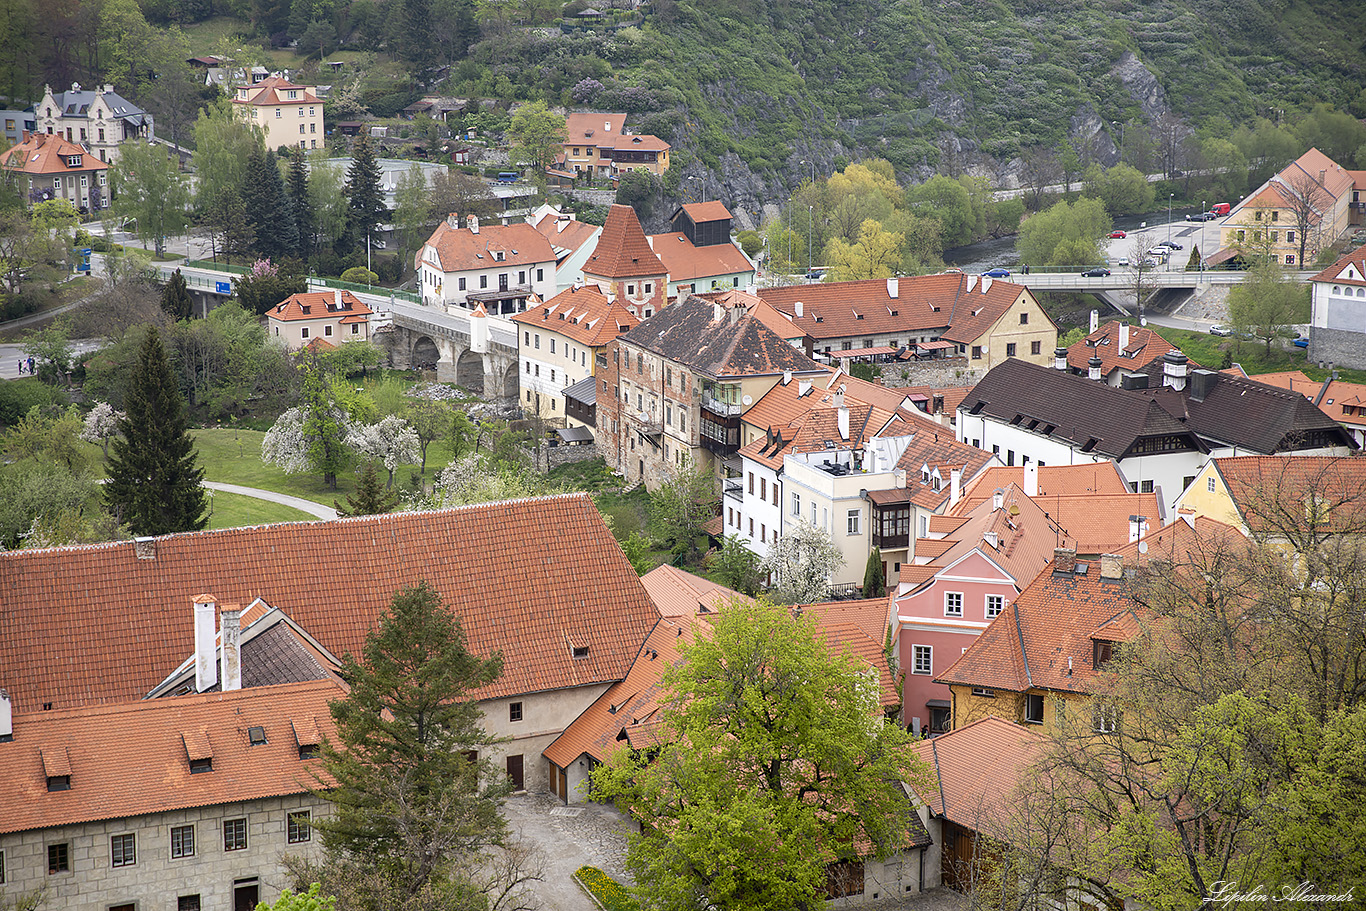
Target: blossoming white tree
<point>101,425</point>
<point>802,562</point>
<point>392,442</point>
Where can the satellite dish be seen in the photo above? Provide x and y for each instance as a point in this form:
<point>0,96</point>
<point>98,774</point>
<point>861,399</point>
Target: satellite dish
<point>746,400</point>
<point>1143,547</point>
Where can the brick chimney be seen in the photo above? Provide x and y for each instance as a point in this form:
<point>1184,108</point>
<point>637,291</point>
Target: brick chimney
<point>1065,560</point>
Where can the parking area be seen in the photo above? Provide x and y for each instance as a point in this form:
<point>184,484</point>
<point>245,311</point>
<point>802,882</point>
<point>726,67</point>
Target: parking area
<point>569,837</point>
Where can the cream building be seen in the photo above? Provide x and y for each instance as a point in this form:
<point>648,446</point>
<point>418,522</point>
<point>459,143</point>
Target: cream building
<point>334,317</point>
<point>1302,210</point>
<point>287,114</point>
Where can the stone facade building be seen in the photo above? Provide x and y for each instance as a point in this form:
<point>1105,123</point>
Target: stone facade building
<point>98,120</point>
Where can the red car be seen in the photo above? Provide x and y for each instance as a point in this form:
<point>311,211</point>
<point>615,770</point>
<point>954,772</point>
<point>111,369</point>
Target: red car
<point>1118,234</point>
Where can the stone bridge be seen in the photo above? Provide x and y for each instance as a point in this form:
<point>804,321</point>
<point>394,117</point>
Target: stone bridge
<point>477,352</point>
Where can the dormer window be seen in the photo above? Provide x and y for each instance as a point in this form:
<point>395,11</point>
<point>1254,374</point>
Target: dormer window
<point>73,161</point>
<point>580,651</point>
<point>59,782</point>
<point>1101,652</point>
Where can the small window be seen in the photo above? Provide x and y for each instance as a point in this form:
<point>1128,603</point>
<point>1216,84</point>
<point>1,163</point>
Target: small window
<point>201,765</point>
<point>461,284</point>
<point>1105,719</point>
<point>256,735</point>
<point>995,604</point>
<point>953,604</point>
<point>182,841</point>
<point>983,692</point>
<point>1209,484</point>
<point>308,751</point>
<point>580,651</point>
<point>922,659</point>
<point>59,782</point>
<point>796,504</point>
<point>1010,349</point>
<point>303,333</point>
<point>188,903</point>
<point>234,835</point>
<point>852,521</point>
<point>976,352</point>
<point>59,858</point>
<point>298,828</point>
<point>1034,708</point>
<point>327,330</point>
<point>1036,347</point>
<point>514,711</point>
<point>1024,319</point>
<point>483,281</point>
<point>122,850</point>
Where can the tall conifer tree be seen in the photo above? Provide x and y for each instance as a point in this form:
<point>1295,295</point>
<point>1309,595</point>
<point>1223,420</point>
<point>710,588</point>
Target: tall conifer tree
<point>269,211</point>
<point>175,297</point>
<point>296,189</point>
<point>154,478</point>
<point>363,192</point>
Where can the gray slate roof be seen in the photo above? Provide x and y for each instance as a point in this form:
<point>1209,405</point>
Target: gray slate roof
<point>77,104</point>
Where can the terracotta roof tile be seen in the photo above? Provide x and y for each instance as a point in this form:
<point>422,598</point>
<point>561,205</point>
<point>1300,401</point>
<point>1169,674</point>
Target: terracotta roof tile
<point>319,305</point>
<point>686,263</point>
<point>583,314</point>
<point>132,759</point>
<point>271,91</point>
<point>623,251</point>
<point>706,211</point>
<point>588,127</point>
<point>1054,481</point>
<point>1262,487</point>
<point>41,153</point>
<point>1336,272</point>
<point>462,250</point>
<point>97,624</point>
<point>566,233</point>
<point>978,768</point>
<point>1144,346</point>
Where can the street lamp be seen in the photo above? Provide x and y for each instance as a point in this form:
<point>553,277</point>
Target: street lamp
<point>1169,215</point>
<point>813,169</point>
<point>810,217</point>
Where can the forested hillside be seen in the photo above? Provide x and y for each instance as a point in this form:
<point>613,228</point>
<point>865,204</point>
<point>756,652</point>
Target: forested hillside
<point>761,91</point>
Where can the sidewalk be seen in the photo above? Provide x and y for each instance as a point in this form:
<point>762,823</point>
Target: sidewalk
<point>308,506</point>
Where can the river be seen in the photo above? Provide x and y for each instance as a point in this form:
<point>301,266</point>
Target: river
<point>1000,251</point>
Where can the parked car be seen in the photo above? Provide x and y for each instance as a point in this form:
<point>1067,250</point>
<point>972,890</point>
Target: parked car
<point>1118,235</point>
<point>1203,216</point>
<point>998,272</point>
<point>1221,331</point>
<point>1096,273</point>
<point>1301,342</point>
<point>1172,245</point>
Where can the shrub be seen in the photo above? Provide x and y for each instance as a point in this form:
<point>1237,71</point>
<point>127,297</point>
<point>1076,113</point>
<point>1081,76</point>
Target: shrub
<point>610,893</point>
<point>359,275</point>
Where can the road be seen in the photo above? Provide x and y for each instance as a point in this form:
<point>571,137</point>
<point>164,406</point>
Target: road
<point>308,506</point>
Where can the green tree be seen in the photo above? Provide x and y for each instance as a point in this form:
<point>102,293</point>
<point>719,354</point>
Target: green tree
<point>365,198</point>
<point>268,208</point>
<point>680,507</point>
<point>230,232</point>
<point>738,566</point>
<point>537,134</point>
<point>412,213</point>
<point>948,201</point>
<point>51,347</point>
<point>776,761</point>
<point>876,255</point>
<point>323,429</point>
<point>327,198</point>
<point>267,284</point>
<point>874,576</point>
<point>431,420</point>
<point>223,143</point>
<point>149,187</point>
<point>1268,303</point>
<point>371,498</point>
<point>175,297</point>
<point>312,900</point>
<point>300,205</point>
<point>1066,234</point>
<point>1123,189</point>
<point>154,478</point>
<point>638,189</point>
<point>410,805</point>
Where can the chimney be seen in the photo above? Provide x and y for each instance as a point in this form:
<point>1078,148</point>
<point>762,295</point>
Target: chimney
<point>336,297</point>
<point>986,284</point>
<point>797,308</point>
<point>205,668</point>
<point>718,312</point>
<point>607,126</point>
<point>899,478</point>
<point>998,499</point>
<point>231,628</point>
<point>1123,337</point>
<point>972,282</point>
<point>838,399</point>
<point>1202,382</point>
<point>453,220</point>
<point>1060,358</point>
<point>893,288</point>
<point>843,414</point>
<point>1093,368</point>
<point>1111,567</point>
<point>1031,479</point>
<point>803,387</point>
<point>736,311</point>
<point>992,538</point>
<point>145,547</point>
<point>1138,525</point>
<point>1095,321</point>
<point>955,487</point>
<point>1064,560</point>
<point>473,224</point>
<point>787,377</point>
<point>561,223</point>
<point>1174,370</point>
<point>6,718</point>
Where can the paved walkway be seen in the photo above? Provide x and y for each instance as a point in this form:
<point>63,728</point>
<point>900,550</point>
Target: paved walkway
<point>308,506</point>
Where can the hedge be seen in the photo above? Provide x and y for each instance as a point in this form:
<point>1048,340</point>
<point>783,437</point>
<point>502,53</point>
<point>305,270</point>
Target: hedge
<point>611,894</point>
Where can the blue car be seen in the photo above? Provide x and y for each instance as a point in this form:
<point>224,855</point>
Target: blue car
<point>1301,342</point>
<point>996,273</point>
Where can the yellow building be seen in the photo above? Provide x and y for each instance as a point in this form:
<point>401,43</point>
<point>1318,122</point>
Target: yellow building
<point>1294,215</point>
<point>287,114</point>
<point>1255,494</point>
<point>596,146</point>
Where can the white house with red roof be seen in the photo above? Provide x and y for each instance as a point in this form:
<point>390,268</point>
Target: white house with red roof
<point>1337,321</point>
<point>319,317</point>
<point>47,166</point>
<point>572,240</point>
<point>500,266</point>
<point>287,114</point>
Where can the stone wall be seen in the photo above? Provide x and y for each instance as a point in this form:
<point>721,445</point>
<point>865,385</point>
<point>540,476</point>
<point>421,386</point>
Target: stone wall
<point>953,373</point>
<point>1337,348</point>
<point>563,455</point>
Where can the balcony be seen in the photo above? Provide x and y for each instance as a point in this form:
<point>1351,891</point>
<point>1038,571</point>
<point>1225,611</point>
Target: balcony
<point>647,423</point>
<point>720,408</point>
<point>734,488</point>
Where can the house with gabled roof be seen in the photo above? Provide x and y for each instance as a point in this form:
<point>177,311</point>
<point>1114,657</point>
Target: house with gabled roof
<point>596,145</point>
<point>1120,348</point>
<point>1341,400</point>
<point>678,384</point>
<point>501,267</point>
<point>334,317</point>
<point>1302,209</point>
<point>1258,494</point>
<point>287,115</point>
<point>49,167</point>
<point>980,319</point>
<point>699,253</point>
<point>572,240</point>
<point>625,267</point>
<point>564,341</point>
<point>106,624</point>
<point>1337,320</point>
<point>1158,427</point>
<point>99,119</point>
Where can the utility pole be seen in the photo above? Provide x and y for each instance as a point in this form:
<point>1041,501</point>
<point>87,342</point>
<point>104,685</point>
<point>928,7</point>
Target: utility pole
<point>810,217</point>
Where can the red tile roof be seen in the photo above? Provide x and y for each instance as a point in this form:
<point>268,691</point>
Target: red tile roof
<point>583,314</point>
<point>1264,488</point>
<point>706,211</point>
<point>132,758</point>
<point>98,624</point>
<point>271,91</point>
<point>687,263</point>
<point>41,153</point>
<point>1350,269</point>
<point>566,232</point>
<point>462,250</point>
<point>321,305</point>
<point>623,251</point>
<point>1054,481</point>
<point>1023,532</point>
<point>681,594</point>
<point>590,128</point>
<point>978,770</point>
<point>1144,347</point>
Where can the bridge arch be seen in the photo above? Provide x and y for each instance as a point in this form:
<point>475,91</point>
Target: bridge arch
<point>511,383</point>
<point>469,372</point>
<point>425,353</point>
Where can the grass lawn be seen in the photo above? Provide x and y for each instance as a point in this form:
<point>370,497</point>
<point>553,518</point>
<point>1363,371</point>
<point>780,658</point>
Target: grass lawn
<point>232,510</point>
<point>1208,351</point>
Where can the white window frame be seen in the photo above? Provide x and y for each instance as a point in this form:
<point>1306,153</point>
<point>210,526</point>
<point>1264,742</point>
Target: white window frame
<point>853,522</point>
<point>950,598</point>
<point>1210,484</point>
<point>925,667</point>
<point>1000,605</point>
